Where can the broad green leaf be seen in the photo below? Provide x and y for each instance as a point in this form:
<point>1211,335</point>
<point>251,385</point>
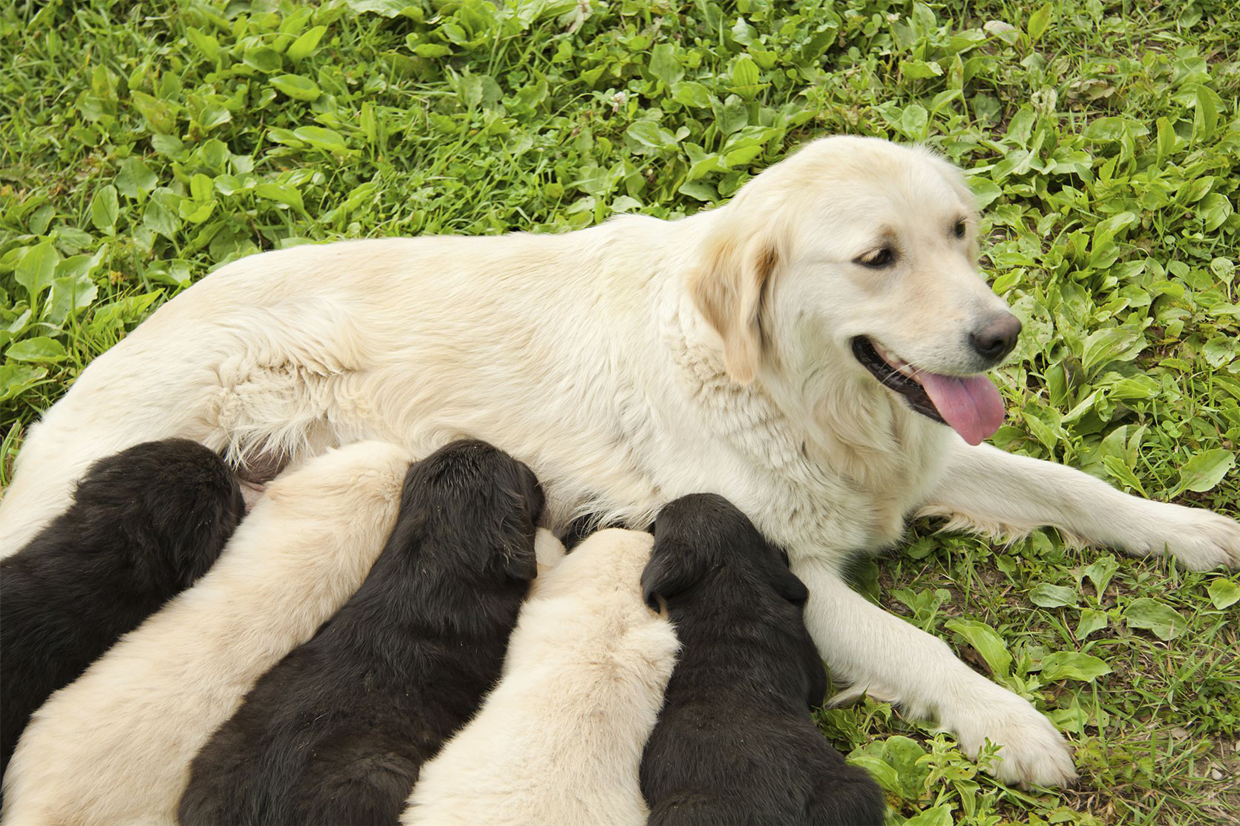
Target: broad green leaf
<point>692,93</point>
<point>17,378</point>
<point>305,45</point>
<point>159,115</point>
<point>1038,21</point>
<point>264,58</point>
<point>1101,571</point>
<point>1091,620</point>
<point>920,69</point>
<point>987,642</point>
<point>745,75</point>
<point>40,349</point>
<point>298,87</point>
<point>1224,593</point>
<point>1163,620</point>
<point>104,208</point>
<point>280,193</point>
<point>1115,467</point>
<point>1110,344</point>
<point>938,816</point>
<point>328,140</point>
<point>1205,470</point>
<point>1213,210</point>
<point>70,295</point>
<point>37,269</point>
<point>1072,665</point>
<point>1052,596</point>
<point>161,219</point>
<point>664,65</point>
<point>135,178</point>
<point>205,43</point>
<point>877,768</point>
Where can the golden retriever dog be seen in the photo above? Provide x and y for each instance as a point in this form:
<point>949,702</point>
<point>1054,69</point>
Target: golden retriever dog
<point>559,741</point>
<point>813,351</point>
<point>115,746</point>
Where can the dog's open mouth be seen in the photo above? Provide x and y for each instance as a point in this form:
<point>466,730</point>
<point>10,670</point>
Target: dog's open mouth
<point>970,405</point>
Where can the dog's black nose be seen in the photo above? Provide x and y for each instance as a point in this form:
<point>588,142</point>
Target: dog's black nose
<point>996,337</point>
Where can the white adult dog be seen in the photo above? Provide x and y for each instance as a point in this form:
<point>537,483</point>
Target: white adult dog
<point>796,350</point>
<point>559,741</point>
<point>115,746</point>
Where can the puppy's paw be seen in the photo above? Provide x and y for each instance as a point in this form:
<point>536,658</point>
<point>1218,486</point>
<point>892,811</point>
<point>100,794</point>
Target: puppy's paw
<point>1200,539</point>
<point>1032,752</point>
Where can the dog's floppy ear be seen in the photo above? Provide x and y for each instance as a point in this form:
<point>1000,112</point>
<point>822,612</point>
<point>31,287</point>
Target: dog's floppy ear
<point>728,289</point>
<point>789,586</point>
<point>667,574</point>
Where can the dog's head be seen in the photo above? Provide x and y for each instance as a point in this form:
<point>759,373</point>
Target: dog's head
<point>172,504</point>
<point>708,557</point>
<point>857,256</point>
<point>478,505</point>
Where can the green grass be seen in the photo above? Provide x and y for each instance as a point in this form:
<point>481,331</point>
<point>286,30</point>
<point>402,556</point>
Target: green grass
<point>143,144</point>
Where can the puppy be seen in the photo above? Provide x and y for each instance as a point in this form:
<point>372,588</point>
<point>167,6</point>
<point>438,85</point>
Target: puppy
<point>735,742</point>
<point>115,746</point>
<point>337,731</point>
<point>144,524</point>
<point>559,741</point>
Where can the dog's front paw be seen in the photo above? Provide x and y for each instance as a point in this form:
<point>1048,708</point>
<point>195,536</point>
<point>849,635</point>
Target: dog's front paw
<point>1200,539</point>
<point>1033,751</point>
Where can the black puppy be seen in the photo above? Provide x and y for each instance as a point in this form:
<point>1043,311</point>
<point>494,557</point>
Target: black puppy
<point>144,524</point>
<point>337,732</point>
<point>735,742</point>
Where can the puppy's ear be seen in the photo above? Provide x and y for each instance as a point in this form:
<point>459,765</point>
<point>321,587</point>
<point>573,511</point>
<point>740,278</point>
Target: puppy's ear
<point>789,586</point>
<point>521,563</point>
<point>667,574</point>
<point>728,289</point>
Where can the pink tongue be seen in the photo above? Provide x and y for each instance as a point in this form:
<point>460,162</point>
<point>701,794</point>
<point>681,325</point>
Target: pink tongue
<point>971,405</point>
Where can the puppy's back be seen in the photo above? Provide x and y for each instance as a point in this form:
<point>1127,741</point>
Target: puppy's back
<point>115,746</point>
<point>559,740</point>
<point>111,560</point>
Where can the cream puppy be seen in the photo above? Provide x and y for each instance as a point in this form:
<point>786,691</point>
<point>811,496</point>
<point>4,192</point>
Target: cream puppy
<point>114,747</point>
<point>559,741</point>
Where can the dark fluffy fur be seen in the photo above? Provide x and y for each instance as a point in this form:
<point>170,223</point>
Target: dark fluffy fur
<point>735,742</point>
<point>143,526</point>
<point>337,732</point>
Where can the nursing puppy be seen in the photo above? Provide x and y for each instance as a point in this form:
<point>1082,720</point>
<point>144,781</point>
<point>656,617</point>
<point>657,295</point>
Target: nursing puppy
<point>735,742</point>
<point>559,741</point>
<point>814,350</point>
<point>335,734</point>
<point>115,746</point>
<point>144,524</point>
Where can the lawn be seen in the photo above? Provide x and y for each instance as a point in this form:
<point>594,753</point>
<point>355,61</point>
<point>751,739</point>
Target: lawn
<point>143,144</point>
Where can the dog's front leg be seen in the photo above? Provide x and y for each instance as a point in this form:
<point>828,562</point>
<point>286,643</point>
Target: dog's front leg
<point>880,654</point>
<point>1002,493</point>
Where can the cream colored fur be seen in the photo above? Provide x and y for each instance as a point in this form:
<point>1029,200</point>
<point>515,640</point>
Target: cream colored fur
<point>634,362</point>
<point>559,741</point>
<point>114,747</point>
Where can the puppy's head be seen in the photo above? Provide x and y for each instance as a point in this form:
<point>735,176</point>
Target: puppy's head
<point>479,506</point>
<point>708,555</point>
<point>172,504</point>
<point>857,258</point>
<point>702,540</point>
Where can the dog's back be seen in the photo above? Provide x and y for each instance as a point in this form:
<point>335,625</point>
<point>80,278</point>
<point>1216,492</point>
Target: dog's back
<point>559,741</point>
<point>735,742</point>
<point>144,524</point>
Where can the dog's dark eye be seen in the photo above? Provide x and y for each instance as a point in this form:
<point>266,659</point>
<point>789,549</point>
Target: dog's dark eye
<point>878,259</point>
<point>959,229</point>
